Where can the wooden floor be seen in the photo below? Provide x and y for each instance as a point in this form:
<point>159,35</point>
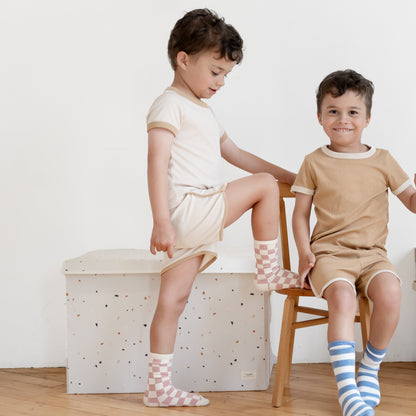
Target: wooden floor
<point>312,392</point>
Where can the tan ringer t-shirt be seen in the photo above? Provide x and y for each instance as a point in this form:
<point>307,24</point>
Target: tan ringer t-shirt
<point>195,162</point>
<point>350,195</point>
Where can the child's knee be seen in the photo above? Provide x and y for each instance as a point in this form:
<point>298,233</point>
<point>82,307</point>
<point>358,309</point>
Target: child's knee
<point>385,290</point>
<point>172,306</point>
<point>389,299</point>
<point>341,297</point>
<point>267,181</point>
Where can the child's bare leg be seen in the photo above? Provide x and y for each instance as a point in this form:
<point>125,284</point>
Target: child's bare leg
<point>385,292</point>
<point>175,287</point>
<point>342,304</point>
<point>260,193</point>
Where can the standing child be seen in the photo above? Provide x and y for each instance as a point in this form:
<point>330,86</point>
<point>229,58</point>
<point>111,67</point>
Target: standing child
<point>191,203</point>
<point>348,183</point>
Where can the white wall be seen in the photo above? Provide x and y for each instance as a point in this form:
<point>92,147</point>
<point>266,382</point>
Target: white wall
<point>76,80</point>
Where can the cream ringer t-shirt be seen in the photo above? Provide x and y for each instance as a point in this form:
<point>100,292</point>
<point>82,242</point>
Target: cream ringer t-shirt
<point>195,162</point>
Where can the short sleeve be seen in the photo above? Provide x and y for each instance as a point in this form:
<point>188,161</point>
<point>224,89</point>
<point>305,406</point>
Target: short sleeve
<point>164,113</point>
<point>397,179</point>
<point>304,183</point>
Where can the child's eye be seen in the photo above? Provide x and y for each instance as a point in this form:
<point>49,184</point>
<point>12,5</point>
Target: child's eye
<point>215,73</point>
<point>353,112</point>
<point>333,112</point>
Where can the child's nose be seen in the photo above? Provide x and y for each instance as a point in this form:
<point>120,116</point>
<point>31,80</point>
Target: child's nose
<point>344,117</point>
<point>221,81</point>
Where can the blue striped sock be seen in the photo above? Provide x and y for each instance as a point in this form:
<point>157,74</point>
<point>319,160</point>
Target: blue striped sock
<point>342,355</point>
<point>367,377</point>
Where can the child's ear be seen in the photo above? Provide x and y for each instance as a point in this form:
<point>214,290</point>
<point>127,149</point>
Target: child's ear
<point>182,59</point>
<point>319,118</point>
<point>368,120</point>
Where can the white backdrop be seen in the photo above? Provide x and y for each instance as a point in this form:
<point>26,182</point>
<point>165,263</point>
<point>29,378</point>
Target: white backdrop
<point>76,80</point>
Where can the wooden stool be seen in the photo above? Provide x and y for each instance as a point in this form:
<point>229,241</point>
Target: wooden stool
<point>292,307</point>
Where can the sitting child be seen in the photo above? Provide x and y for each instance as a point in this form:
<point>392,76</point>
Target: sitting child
<point>348,181</point>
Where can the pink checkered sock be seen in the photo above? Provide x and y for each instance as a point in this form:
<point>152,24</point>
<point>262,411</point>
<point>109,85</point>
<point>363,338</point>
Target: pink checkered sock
<point>270,276</point>
<point>160,392</point>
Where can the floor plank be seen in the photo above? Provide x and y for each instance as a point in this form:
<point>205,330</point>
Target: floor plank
<point>312,392</point>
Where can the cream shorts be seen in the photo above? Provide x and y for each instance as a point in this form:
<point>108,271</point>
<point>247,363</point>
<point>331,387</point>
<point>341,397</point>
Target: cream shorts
<point>357,267</point>
<point>199,224</point>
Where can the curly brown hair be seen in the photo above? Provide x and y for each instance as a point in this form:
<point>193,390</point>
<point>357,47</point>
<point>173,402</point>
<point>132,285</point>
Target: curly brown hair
<point>338,82</point>
<point>200,30</point>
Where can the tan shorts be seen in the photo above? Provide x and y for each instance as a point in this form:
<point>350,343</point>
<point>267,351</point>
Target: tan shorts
<point>357,267</point>
<point>199,224</point>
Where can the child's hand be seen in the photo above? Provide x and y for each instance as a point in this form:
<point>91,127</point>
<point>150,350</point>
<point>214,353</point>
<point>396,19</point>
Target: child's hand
<point>163,238</point>
<point>306,263</point>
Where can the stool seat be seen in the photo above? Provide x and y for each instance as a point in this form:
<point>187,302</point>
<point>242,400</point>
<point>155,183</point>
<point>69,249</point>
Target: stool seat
<point>296,292</point>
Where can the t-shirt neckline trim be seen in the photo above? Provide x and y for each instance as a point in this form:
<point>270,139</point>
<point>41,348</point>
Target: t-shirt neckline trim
<point>193,99</point>
<point>338,155</point>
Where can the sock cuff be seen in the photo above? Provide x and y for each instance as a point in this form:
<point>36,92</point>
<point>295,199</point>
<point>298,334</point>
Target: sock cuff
<point>374,350</point>
<point>268,243</point>
<point>334,345</point>
<point>161,357</point>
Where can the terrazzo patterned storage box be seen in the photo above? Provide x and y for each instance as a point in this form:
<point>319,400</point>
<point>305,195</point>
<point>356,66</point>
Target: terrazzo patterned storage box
<point>223,336</point>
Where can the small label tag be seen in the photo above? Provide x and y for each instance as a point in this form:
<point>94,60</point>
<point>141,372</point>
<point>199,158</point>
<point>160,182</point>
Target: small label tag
<point>248,375</point>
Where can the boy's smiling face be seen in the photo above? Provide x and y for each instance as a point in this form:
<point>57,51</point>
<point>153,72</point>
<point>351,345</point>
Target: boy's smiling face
<point>344,118</point>
<point>201,75</point>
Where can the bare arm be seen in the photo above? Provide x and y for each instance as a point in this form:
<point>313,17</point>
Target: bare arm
<point>159,146</point>
<point>253,164</point>
<point>408,197</point>
<point>301,232</point>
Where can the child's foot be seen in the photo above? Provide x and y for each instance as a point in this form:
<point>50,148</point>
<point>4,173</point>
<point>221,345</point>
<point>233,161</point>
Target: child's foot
<point>169,396</point>
<point>342,355</point>
<point>367,377</point>
<point>160,391</point>
<point>270,276</point>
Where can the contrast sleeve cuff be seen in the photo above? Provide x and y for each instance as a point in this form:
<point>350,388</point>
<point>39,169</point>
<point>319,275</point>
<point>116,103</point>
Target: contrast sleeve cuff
<point>223,138</point>
<point>401,188</point>
<point>162,125</point>
<point>301,190</point>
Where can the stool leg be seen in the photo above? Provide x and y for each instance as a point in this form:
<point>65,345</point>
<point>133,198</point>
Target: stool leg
<point>364,306</point>
<point>292,338</point>
<point>283,357</point>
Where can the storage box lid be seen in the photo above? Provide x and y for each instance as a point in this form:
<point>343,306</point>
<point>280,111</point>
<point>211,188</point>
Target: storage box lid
<point>120,261</point>
<point>135,261</point>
